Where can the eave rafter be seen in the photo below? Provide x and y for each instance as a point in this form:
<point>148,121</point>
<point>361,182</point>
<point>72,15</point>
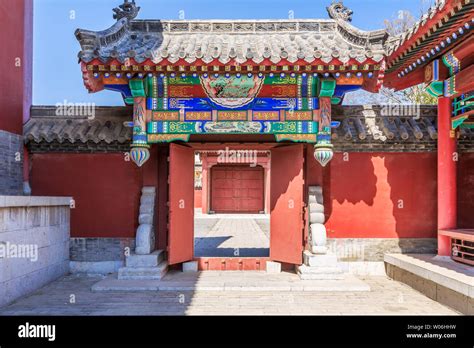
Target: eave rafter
<point>444,29</point>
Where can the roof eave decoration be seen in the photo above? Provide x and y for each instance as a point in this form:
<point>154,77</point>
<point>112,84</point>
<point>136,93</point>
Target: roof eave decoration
<point>128,10</point>
<point>320,43</point>
<point>445,25</point>
<point>337,10</point>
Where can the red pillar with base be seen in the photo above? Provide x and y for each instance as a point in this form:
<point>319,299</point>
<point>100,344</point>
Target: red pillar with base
<point>447,160</point>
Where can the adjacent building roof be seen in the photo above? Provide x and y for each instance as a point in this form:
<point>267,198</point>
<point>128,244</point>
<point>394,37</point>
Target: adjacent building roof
<point>362,128</point>
<point>444,25</point>
<point>104,132</point>
<point>241,41</point>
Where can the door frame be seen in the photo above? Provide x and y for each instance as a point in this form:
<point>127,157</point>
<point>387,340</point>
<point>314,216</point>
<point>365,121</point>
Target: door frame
<point>267,181</point>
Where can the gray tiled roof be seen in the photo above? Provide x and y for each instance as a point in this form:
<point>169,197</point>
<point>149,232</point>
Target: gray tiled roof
<point>107,126</point>
<point>240,41</point>
<point>362,128</point>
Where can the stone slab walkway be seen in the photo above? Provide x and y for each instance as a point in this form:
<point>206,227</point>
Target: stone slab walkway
<point>232,281</point>
<point>386,297</point>
<point>230,235</point>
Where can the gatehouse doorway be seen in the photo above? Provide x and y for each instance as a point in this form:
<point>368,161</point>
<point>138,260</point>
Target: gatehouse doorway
<point>244,208</point>
<point>230,219</point>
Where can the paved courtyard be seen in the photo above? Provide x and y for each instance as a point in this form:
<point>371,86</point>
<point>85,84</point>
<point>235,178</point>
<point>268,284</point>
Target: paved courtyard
<point>225,235</point>
<point>386,297</point>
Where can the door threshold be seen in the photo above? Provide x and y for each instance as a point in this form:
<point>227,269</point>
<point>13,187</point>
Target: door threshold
<point>232,263</point>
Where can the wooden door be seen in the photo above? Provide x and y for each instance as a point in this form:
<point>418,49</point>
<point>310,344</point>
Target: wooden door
<point>237,189</point>
<point>286,204</point>
<point>181,204</point>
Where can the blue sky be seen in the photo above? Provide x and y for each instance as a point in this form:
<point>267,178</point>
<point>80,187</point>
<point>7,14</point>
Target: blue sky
<point>57,75</point>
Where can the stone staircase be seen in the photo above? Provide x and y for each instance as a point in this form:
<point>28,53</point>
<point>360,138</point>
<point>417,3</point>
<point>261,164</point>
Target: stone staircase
<point>144,267</point>
<point>318,262</point>
<point>144,263</point>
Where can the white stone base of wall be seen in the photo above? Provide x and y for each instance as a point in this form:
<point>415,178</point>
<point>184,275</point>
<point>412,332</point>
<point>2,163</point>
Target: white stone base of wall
<point>95,267</point>
<point>34,243</point>
<point>363,268</point>
<point>26,284</point>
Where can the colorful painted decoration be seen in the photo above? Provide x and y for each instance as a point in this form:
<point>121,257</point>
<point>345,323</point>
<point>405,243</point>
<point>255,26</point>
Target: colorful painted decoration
<point>435,88</point>
<point>323,153</point>
<point>452,63</point>
<point>235,127</point>
<point>232,92</point>
<point>293,107</point>
<point>450,86</point>
<point>139,155</point>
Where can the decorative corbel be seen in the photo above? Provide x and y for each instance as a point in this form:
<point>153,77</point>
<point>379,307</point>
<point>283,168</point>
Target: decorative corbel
<point>139,152</point>
<point>323,149</point>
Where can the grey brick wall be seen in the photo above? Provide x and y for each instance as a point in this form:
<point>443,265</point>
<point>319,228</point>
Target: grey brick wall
<point>100,249</point>
<point>11,164</point>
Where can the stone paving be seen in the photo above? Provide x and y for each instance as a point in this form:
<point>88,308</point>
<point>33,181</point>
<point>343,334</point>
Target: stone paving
<point>386,297</point>
<point>225,235</point>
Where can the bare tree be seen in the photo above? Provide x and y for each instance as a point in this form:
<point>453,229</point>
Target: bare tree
<point>416,94</point>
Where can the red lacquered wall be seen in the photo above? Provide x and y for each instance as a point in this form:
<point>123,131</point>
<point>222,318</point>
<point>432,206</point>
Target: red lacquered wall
<point>378,195</point>
<point>16,61</point>
<point>362,195</point>
<point>197,198</point>
<point>106,190</point>
<point>466,190</point>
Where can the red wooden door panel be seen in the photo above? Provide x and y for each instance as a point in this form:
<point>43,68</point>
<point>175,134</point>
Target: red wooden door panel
<point>286,204</point>
<point>237,189</point>
<point>181,200</point>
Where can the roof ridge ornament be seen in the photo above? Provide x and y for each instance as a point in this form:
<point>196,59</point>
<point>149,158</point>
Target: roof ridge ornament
<point>337,10</point>
<point>128,10</point>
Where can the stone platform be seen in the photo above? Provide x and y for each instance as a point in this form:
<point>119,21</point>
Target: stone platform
<point>232,281</point>
<point>438,277</point>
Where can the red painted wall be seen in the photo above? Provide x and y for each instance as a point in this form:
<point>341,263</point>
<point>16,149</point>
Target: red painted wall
<point>362,195</point>
<point>197,198</point>
<point>466,191</point>
<point>106,190</point>
<point>16,36</point>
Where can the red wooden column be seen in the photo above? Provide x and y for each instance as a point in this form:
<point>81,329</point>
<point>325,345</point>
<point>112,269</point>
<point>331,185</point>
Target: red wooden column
<point>447,207</point>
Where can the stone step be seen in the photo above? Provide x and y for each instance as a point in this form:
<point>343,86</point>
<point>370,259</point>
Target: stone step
<point>320,270</point>
<point>329,276</point>
<point>150,260</point>
<point>143,273</point>
<point>306,272</point>
<point>314,260</point>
